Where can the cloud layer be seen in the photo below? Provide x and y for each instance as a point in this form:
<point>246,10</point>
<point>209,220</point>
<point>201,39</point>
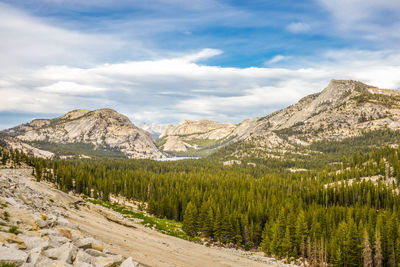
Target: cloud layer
<point>48,68</point>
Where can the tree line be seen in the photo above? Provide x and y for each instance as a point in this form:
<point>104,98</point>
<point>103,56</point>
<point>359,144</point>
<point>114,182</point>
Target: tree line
<point>320,216</point>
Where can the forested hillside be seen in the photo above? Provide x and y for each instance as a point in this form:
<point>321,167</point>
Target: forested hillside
<point>344,213</point>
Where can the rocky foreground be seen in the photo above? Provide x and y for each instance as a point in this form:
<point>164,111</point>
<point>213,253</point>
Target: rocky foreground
<point>34,230</point>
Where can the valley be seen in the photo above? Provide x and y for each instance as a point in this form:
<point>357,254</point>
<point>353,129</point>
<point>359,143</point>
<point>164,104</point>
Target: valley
<point>313,184</point>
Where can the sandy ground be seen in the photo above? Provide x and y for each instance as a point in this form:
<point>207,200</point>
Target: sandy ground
<point>144,245</point>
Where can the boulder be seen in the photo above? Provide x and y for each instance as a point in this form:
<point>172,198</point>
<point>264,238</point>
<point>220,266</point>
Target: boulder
<point>41,260</point>
<point>10,255</point>
<point>59,264</point>
<point>11,201</point>
<point>84,243</point>
<point>97,245</point>
<point>109,261</point>
<point>95,253</point>
<point>64,253</point>
<point>57,240</point>
<point>34,256</point>
<point>129,263</point>
<point>82,256</point>
<point>61,221</point>
<point>34,242</point>
<point>41,223</point>
<point>12,239</point>
<point>82,264</point>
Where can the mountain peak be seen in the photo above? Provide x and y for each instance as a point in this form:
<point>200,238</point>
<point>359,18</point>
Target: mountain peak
<point>74,114</point>
<point>102,128</point>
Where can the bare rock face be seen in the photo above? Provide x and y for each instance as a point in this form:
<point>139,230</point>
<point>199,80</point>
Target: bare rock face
<point>104,128</point>
<point>178,138</point>
<point>343,109</point>
<point>211,129</point>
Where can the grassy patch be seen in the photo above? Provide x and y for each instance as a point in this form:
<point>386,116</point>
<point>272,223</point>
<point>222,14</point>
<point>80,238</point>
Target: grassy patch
<point>7,264</point>
<point>165,226</point>
<point>6,216</point>
<point>14,230</point>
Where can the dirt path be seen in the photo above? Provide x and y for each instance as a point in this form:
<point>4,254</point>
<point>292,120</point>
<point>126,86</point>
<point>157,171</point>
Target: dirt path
<point>144,245</point>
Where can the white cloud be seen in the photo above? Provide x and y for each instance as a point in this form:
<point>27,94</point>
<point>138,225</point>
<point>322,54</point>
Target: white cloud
<point>202,55</point>
<point>275,59</point>
<point>47,69</point>
<point>71,88</point>
<point>168,90</point>
<point>369,19</point>
<point>298,27</point>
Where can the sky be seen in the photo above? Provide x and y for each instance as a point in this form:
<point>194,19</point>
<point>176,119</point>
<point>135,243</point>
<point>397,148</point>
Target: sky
<point>167,60</point>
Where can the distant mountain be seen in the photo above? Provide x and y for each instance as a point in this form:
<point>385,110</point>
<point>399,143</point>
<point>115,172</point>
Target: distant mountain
<point>103,130</point>
<point>343,109</point>
<point>190,136</point>
<point>155,129</point>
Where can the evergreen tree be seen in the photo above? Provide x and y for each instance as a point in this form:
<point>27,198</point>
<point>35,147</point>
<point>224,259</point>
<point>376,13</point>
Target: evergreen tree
<point>190,220</point>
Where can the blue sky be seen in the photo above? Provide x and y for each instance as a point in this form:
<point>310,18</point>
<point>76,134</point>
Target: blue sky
<point>168,60</point>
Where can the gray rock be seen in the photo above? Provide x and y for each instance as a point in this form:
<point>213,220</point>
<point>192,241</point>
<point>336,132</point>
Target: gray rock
<point>40,261</point>
<point>57,240</point>
<point>32,242</point>
<point>64,253</point>
<point>129,263</point>
<point>11,201</point>
<point>82,264</point>
<point>82,256</point>
<point>34,256</point>
<point>95,253</point>
<point>41,223</point>
<point>64,222</point>
<point>84,243</point>
<point>49,232</point>
<point>12,255</point>
<point>108,261</point>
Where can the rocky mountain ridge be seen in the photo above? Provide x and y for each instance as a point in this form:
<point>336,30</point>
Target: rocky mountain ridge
<point>345,108</point>
<point>103,128</point>
<point>183,136</point>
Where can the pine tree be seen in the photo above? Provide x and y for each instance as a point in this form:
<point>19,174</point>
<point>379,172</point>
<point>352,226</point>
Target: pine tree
<point>287,243</point>
<point>338,262</point>
<point>190,220</point>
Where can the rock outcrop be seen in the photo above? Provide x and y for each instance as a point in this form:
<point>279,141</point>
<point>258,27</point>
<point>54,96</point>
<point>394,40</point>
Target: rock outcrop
<point>343,109</point>
<point>183,136</point>
<point>103,128</point>
<point>35,232</point>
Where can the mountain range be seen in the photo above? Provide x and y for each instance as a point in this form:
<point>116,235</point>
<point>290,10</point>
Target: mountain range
<point>343,109</point>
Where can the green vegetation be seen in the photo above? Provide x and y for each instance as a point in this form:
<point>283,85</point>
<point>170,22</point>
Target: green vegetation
<point>389,101</point>
<point>78,149</point>
<point>7,264</point>
<point>6,216</point>
<point>14,230</point>
<point>164,226</point>
<point>328,214</point>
